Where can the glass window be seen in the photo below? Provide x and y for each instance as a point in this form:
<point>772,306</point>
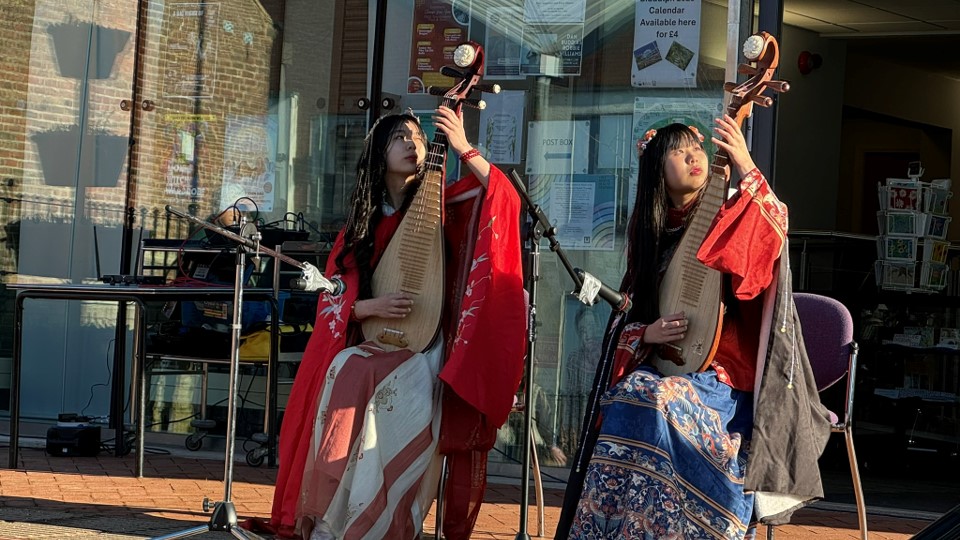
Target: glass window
<point>581,82</point>
<point>66,68</point>
<point>260,108</point>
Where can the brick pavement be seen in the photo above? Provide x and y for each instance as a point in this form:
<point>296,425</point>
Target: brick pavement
<point>98,497</point>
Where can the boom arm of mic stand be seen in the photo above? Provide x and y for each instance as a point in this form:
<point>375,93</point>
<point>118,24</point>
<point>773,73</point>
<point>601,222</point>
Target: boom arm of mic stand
<point>245,242</point>
<point>542,223</point>
<point>312,278</point>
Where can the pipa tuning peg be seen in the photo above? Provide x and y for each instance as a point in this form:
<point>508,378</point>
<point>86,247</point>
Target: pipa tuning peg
<point>451,72</point>
<point>437,90</point>
<point>488,88</point>
<point>475,103</point>
<point>778,86</point>
<point>763,101</point>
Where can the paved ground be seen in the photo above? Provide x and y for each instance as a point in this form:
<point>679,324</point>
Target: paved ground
<point>97,497</point>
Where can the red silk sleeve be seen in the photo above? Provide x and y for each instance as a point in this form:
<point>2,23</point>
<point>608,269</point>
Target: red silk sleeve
<point>747,237</point>
<point>489,342</point>
<point>631,350</point>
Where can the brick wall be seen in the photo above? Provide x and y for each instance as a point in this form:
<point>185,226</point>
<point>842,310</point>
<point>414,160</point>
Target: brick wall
<point>60,108</point>
<point>226,123</point>
<point>16,28</point>
<point>37,99</point>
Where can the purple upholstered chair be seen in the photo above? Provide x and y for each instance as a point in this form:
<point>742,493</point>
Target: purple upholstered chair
<point>828,335</point>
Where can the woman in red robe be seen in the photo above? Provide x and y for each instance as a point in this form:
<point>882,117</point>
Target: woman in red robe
<point>337,421</point>
<point>667,456</point>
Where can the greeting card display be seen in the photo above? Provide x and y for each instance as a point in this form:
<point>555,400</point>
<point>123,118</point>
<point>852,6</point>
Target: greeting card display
<point>913,218</point>
<point>936,195</point>
<point>903,198</point>
<point>900,223</point>
<point>935,251</point>
<point>936,226</point>
<point>949,337</point>
<point>895,248</point>
<point>896,276</point>
<point>933,276</point>
<point>925,333</point>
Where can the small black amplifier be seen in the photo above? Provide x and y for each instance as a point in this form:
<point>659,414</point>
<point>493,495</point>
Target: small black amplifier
<point>80,440</point>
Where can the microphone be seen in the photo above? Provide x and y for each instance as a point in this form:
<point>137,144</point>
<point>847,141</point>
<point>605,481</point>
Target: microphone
<point>617,300</point>
<point>336,287</point>
<point>313,280</point>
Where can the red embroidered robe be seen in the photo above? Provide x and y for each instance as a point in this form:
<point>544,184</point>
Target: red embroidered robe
<point>483,372</point>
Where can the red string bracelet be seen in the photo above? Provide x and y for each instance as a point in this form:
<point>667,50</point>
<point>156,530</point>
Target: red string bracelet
<point>469,154</point>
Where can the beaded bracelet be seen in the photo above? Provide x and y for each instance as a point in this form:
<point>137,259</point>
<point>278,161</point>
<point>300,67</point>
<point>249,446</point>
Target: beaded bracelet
<point>469,154</point>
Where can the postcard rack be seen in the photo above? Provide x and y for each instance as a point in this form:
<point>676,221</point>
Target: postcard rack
<point>913,221</point>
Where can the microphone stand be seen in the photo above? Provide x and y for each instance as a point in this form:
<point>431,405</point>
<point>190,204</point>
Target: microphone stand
<point>538,227</point>
<point>224,516</point>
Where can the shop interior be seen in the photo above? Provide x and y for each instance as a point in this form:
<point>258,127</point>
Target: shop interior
<point>873,90</point>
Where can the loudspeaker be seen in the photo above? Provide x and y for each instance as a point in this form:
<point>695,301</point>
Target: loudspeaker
<point>73,441</point>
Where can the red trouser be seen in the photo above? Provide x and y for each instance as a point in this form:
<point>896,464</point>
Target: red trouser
<point>466,482</point>
<point>465,438</point>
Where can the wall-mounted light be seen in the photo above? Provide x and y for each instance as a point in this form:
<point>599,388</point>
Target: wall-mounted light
<point>808,61</point>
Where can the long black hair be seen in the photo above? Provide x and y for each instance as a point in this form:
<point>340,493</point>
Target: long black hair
<point>366,203</point>
<point>648,221</point>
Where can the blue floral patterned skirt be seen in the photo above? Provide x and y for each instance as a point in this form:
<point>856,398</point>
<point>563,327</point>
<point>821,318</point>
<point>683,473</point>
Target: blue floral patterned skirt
<point>669,461</point>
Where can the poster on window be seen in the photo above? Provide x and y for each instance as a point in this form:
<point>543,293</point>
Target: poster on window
<point>185,134</point>
<point>502,45</point>
<point>581,207</point>
<point>249,163</point>
<point>558,147</point>
<point>666,44</point>
<point>188,48</point>
<point>501,126</point>
<point>438,27</point>
<point>554,50</point>
<point>652,113</point>
<point>540,37</point>
<point>554,11</point>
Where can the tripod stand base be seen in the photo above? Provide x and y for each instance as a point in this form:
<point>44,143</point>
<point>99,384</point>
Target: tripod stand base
<point>224,519</point>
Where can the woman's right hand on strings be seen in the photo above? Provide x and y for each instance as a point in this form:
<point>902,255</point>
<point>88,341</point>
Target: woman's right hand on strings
<point>666,329</point>
<point>388,306</point>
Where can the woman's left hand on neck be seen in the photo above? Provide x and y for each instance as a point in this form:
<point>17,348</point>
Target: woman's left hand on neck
<point>451,124</point>
<point>731,140</point>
